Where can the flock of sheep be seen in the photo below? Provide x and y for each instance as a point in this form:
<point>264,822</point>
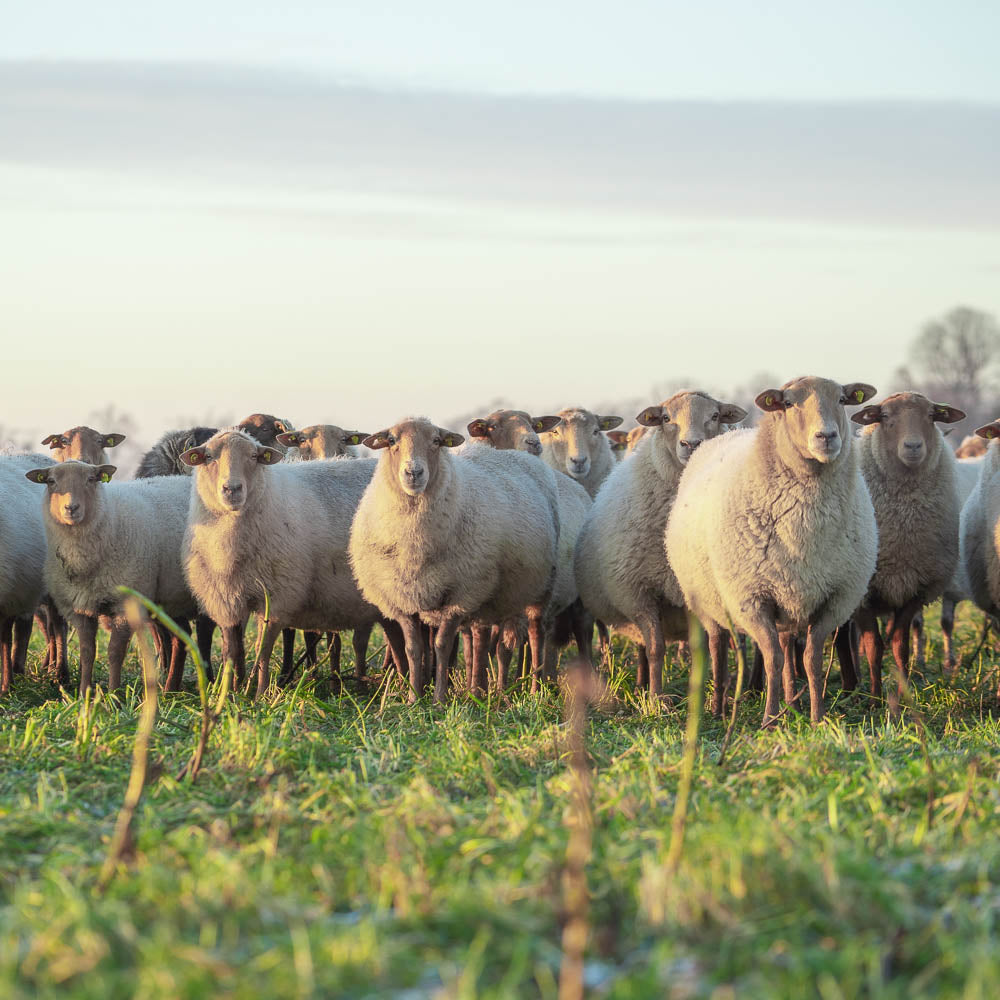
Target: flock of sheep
<point>525,535</point>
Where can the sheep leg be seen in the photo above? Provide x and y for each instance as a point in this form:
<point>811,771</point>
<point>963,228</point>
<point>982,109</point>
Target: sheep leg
<point>205,627</point>
<point>871,642</point>
<point>121,634</point>
<point>765,634</point>
<point>6,629</point>
<point>58,638</point>
<point>178,654</point>
<point>311,640</point>
<point>718,650</point>
<point>756,682</point>
<point>264,649</point>
<point>583,630</point>
<point>917,626</point>
<point>536,639</point>
<point>444,643</point>
<point>898,632</point>
<point>843,642</point>
<point>22,636</point>
<point>395,647</point>
<point>813,658</point>
<point>413,637</point>
<point>480,638</point>
<point>947,629</point>
<point>642,669</point>
<point>234,650</point>
<point>359,642</point>
<point>788,669</point>
<point>287,656</point>
<point>86,633</point>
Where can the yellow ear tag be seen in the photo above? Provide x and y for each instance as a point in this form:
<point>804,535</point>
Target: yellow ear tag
<point>769,400</point>
<point>41,477</point>
<point>447,441</point>
<point>353,439</point>
<point>109,442</point>
<point>859,395</point>
<point>267,456</point>
<point>105,478</point>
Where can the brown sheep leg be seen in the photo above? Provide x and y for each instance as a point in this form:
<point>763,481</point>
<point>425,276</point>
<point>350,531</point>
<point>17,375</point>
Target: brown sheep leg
<point>335,644</point>
<point>871,642</point>
<point>813,661</point>
<point>480,657</point>
<point>844,643</point>
<point>117,647</point>
<point>287,656</point>
<point>536,639</point>
<point>22,637</point>
<point>583,630</point>
<point>359,642</point>
<point>267,640</point>
<point>947,630</point>
<point>756,681</point>
<point>917,627</point>
<point>6,658</point>
<point>444,644</point>
<point>642,669</point>
<point>718,650</point>
<point>898,633</point>
<point>311,641</point>
<point>205,627</point>
<point>395,647</point>
<point>765,635</point>
<point>178,656</point>
<point>234,651</point>
<point>505,654</point>
<point>788,667</point>
<point>468,656</point>
<point>86,632</point>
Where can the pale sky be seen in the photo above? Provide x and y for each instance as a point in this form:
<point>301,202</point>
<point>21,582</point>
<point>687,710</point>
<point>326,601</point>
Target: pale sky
<point>349,212</point>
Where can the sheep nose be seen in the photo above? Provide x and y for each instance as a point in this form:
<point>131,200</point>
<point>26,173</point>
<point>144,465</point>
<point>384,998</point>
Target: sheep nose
<point>71,508</point>
<point>913,446</point>
<point>232,489</point>
<point>828,436</point>
<point>533,446</point>
<point>690,445</point>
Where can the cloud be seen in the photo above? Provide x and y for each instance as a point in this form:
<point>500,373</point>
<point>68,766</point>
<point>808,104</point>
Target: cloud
<point>897,164</point>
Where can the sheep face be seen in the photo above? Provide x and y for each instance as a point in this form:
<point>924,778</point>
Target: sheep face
<point>905,423</point>
<point>972,447</point>
<point>321,441</point>
<point>689,418</point>
<point>82,444</point>
<point>264,428</point>
<point>810,416</point>
<point>413,452</point>
<point>634,436</point>
<point>227,469</point>
<point>577,438</point>
<point>73,490</point>
<point>513,430</point>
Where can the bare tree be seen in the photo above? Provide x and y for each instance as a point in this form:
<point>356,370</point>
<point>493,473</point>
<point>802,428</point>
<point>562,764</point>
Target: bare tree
<point>956,360</point>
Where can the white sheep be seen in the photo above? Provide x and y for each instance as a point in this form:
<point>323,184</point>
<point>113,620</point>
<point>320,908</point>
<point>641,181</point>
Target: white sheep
<point>910,473</point>
<point>22,561</point>
<point>448,541</point>
<point>578,447</point>
<point>773,531</point>
<point>322,441</point>
<point>622,571</point>
<point>264,534</point>
<point>102,535</point>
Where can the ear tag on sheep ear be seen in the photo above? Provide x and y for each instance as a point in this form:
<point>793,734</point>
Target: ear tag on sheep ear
<point>267,456</point>
<point>353,439</point>
<point>859,395</point>
<point>105,477</point>
<point>41,477</point>
<point>449,441</point>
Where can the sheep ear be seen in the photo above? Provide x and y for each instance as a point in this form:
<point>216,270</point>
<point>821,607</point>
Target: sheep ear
<point>55,441</point>
<point>37,475</point>
<point>105,472</point>
<point>268,456</point>
<point>988,431</point>
<point>354,437</point>
<point>858,392</point>
<point>479,428</point>
<point>112,440</point>
<point>194,456</point>
<point>290,439</point>
<point>652,416</point>
<point>450,439</point>
<point>618,439</point>
<point>771,400</point>
<point>947,414</point>
<point>542,425</point>
<point>380,439</point>
<point>608,423</point>
<point>730,413</point>
<point>869,415</point>
<point>281,427</point>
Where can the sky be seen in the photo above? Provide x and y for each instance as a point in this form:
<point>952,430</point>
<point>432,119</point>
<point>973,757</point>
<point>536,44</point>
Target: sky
<point>349,212</point>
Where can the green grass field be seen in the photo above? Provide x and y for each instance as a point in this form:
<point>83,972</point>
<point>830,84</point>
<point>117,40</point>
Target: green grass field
<point>336,846</point>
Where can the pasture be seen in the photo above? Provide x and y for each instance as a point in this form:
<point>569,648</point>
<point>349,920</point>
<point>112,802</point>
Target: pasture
<point>351,845</point>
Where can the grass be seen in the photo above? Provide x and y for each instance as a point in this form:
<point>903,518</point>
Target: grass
<point>330,848</point>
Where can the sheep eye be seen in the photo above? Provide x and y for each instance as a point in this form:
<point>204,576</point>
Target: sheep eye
<point>597,430</point>
<point>715,416</point>
<point>787,404</point>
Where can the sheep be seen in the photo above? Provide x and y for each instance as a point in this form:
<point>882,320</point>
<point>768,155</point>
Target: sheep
<point>83,444</point>
<point>979,532</point>
<point>972,446</point>
<point>164,458</point>
<point>622,571</point>
<point>102,535</point>
<point>322,441</point>
<point>264,428</point>
<point>773,531</point>
<point>446,541</point>
<point>619,444</point>
<point>22,545</point>
<point>516,430</point>
<point>633,437</point>
<point>263,534</point>
<point>910,473</point>
<point>577,448</point>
